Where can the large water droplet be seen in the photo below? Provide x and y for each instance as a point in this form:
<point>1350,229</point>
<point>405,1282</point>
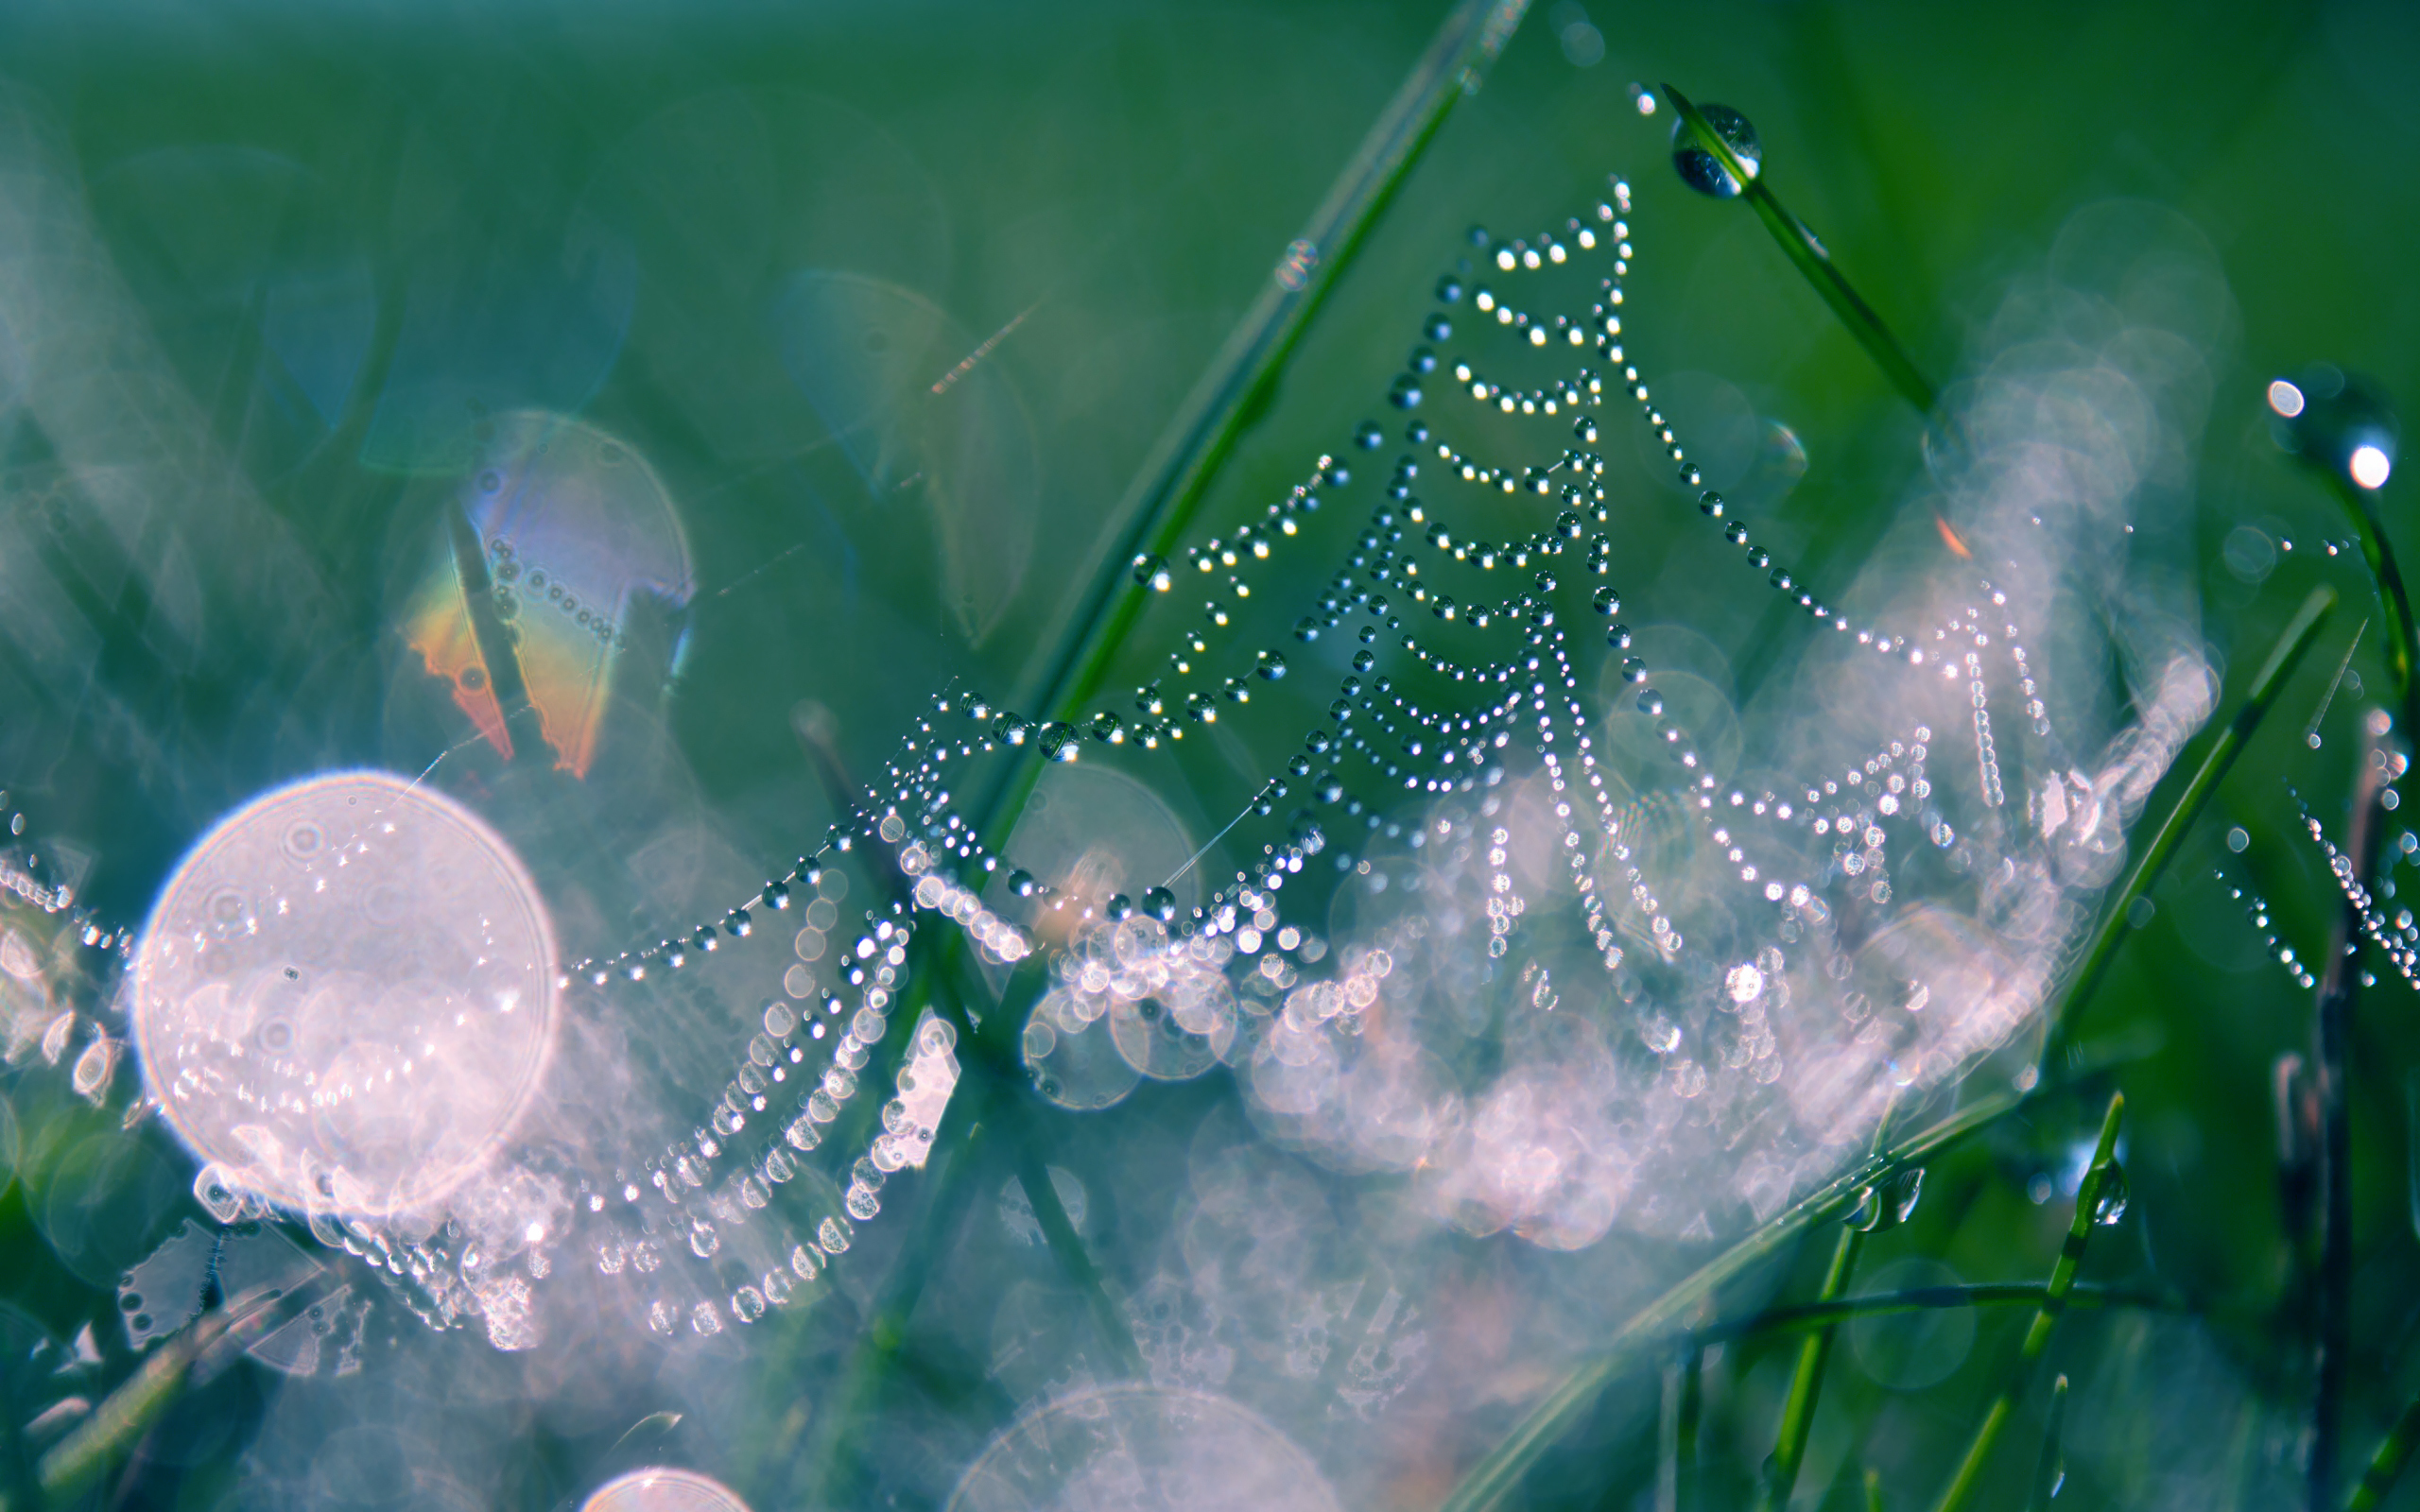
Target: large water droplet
<point>1698,167</point>
<point>1269,664</point>
<point>1160,903</point>
<point>1059,742</point>
<point>2109,1198</point>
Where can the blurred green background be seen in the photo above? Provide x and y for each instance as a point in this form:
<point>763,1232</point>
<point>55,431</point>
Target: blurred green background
<point>893,300</point>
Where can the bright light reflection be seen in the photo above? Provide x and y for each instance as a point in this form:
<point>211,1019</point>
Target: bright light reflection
<point>2370,466</point>
<point>2285,399</point>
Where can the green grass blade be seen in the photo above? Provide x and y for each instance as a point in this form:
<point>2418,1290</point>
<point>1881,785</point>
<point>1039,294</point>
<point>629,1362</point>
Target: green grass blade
<point>1242,380</point>
<point>1807,251</point>
<point>2394,1451</point>
<point>1872,1491</point>
<point>2054,1301</point>
<point>2361,507</point>
<point>1798,1413</point>
<point>1648,1332</point>
<point>1826,1315</point>
<point>2152,854</point>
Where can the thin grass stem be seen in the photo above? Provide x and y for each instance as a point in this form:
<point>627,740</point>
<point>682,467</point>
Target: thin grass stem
<point>2339,992</point>
<point>2054,1301</point>
<point>1798,1412</point>
<point>1807,251</point>
<point>2394,1451</point>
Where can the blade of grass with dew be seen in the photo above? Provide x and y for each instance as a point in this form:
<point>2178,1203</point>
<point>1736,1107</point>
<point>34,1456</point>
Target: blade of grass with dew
<point>1242,380</point>
<point>2049,1471</point>
<point>2361,507</point>
<point>2054,1301</point>
<point>1826,1315</point>
<point>2152,853</point>
<point>1798,1413</point>
<point>2394,1451</point>
<point>1502,1467</point>
<point>1808,252</point>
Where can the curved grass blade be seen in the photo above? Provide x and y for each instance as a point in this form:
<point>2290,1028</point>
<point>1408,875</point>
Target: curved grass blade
<point>2152,855</point>
<point>2054,1301</point>
<point>1241,382</point>
<point>1798,1413</point>
<point>2394,1451</point>
<point>1807,250</point>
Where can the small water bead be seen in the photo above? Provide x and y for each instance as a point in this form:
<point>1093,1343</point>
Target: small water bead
<point>777,896</point>
<point>1606,601</point>
<point>1159,904</point>
<point>1269,664</point>
<point>1022,882</point>
<point>1699,170</point>
<point>1151,572</point>
<point>1108,728</point>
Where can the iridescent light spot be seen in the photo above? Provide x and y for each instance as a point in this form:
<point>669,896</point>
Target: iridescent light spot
<point>575,560</point>
<point>345,995</point>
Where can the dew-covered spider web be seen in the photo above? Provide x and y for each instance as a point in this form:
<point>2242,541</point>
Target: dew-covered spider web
<point>1540,934</point>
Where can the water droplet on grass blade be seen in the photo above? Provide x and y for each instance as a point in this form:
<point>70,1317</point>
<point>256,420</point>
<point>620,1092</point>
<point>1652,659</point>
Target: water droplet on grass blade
<point>2109,1198</point>
<point>1699,168</point>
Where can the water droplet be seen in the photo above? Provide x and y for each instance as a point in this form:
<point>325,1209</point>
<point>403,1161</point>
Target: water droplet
<point>1160,903</point>
<point>1370,436</point>
<point>1698,167</point>
<point>1888,1203</point>
<point>1151,572</point>
<point>1606,601</point>
<point>777,896</point>
<point>1269,664</point>
<point>1059,742</point>
<point>1021,882</point>
<point>1118,909</point>
<point>2109,1198</point>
